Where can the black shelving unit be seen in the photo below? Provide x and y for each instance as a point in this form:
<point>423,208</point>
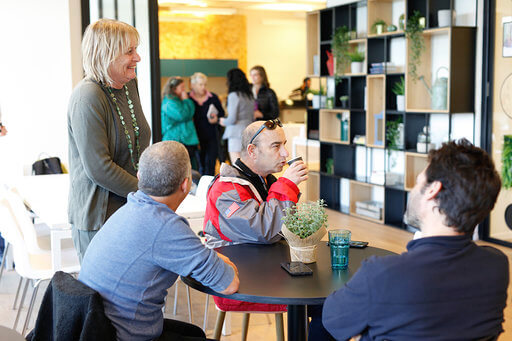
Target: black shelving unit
<point>357,87</point>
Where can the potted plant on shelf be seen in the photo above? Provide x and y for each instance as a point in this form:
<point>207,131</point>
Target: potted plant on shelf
<point>344,101</point>
<point>378,26</point>
<point>339,47</point>
<point>356,59</point>
<point>414,34</point>
<point>304,225</point>
<point>506,159</point>
<point>318,97</point>
<point>399,90</point>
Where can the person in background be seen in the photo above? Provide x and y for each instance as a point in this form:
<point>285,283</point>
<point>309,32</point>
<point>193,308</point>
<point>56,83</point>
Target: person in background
<point>267,107</point>
<point>206,116</point>
<point>445,287</point>
<point>240,109</point>
<point>143,248</point>
<point>245,202</point>
<point>178,117</point>
<point>107,129</point>
<point>3,129</point>
<point>301,92</point>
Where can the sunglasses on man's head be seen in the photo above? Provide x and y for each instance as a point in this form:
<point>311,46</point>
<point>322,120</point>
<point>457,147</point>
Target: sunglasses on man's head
<point>270,125</point>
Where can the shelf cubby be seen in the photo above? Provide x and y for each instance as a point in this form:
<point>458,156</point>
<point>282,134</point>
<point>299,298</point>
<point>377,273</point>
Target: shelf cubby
<point>313,186</point>
<point>312,43</point>
<point>414,165</point>
<point>331,126</point>
<point>312,116</point>
<point>330,191</point>
<point>375,115</point>
<point>363,192</point>
<point>451,48</point>
<point>396,202</point>
<point>326,24</point>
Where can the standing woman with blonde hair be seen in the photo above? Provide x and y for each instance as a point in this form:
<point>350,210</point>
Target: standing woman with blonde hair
<point>107,129</point>
<point>206,116</point>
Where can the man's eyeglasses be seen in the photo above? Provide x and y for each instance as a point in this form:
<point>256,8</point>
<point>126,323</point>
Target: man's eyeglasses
<point>270,125</point>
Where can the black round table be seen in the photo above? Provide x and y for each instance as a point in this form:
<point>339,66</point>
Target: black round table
<point>262,280</point>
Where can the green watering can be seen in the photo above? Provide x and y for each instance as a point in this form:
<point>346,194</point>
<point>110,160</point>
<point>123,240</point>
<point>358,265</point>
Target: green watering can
<point>439,91</point>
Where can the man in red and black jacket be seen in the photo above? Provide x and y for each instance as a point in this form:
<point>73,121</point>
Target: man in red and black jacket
<point>245,201</point>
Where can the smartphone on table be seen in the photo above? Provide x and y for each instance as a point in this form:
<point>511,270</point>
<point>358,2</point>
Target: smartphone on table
<point>297,268</point>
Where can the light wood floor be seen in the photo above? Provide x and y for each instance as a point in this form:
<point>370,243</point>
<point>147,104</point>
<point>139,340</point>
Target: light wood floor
<point>262,326</point>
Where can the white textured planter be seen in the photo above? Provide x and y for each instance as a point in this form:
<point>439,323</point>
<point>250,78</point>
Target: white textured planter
<point>356,67</point>
<point>444,17</point>
<point>400,102</point>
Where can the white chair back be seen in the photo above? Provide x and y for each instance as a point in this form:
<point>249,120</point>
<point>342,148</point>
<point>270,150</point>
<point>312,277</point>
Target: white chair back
<point>24,222</point>
<point>202,187</point>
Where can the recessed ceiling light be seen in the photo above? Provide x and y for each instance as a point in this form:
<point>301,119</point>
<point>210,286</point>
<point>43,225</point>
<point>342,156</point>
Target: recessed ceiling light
<point>284,7</point>
<point>202,11</point>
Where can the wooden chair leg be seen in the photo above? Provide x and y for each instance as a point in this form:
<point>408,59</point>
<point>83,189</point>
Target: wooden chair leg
<point>245,326</point>
<point>279,327</point>
<point>218,325</point>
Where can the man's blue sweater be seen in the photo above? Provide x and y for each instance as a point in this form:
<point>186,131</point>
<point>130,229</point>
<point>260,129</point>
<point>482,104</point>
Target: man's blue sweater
<point>137,255</point>
<point>442,288</point>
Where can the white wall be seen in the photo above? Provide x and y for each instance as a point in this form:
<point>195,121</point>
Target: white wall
<point>39,65</point>
<point>277,41</point>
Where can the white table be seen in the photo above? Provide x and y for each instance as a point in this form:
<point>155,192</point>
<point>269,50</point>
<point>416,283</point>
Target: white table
<point>47,196</point>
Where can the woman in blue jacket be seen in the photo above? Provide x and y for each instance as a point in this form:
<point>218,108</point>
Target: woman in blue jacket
<point>178,117</point>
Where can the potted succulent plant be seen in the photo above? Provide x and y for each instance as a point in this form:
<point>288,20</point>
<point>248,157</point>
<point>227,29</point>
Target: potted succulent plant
<point>356,59</point>
<point>399,90</point>
<point>344,101</point>
<point>304,225</point>
<point>378,26</point>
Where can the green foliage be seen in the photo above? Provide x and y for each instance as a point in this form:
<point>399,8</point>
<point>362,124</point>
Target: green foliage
<point>392,133</point>
<point>304,219</point>
<point>399,87</point>
<point>356,56</point>
<point>377,23</point>
<point>321,92</point>
<point>339,47</point>
<point>344,98</point>
<point>414,33</point>
<point>506,160</point>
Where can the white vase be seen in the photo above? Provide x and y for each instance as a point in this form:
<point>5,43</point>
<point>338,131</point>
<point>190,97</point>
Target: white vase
<point>400,102</point>
<point>316,101</point>
<point>444,17</point>
<point>356,67</point>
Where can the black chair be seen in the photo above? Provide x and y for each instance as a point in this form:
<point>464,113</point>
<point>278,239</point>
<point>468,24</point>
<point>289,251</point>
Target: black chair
<point>70,310</point>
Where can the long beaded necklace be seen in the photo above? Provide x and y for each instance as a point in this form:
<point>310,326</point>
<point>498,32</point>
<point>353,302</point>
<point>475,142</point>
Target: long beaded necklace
<point>135,160</point>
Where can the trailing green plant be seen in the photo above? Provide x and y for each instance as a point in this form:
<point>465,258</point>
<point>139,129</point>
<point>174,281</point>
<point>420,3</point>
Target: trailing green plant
<point>393,133</point>
<point>506,162</point>
<point>306,218</point>
<point>340,48</point>
<point>377,23</point>
<point>414,33</point>
<point>399,87</point>
<point>356,56</point>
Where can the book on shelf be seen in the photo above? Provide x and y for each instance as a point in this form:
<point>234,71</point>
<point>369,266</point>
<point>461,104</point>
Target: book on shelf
<point>370,205</point>
<point>368,213</point>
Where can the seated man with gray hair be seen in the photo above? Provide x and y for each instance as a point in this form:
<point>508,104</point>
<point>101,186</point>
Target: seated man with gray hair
<point>143,248</point>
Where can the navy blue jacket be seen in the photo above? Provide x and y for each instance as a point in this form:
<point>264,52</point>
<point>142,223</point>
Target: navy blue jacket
<point>442,288</point>
<point>207,132</point>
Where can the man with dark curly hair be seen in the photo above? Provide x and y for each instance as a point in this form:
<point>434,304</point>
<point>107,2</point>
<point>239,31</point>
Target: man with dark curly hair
<point>445,287</point>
